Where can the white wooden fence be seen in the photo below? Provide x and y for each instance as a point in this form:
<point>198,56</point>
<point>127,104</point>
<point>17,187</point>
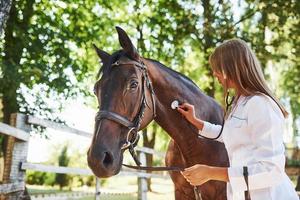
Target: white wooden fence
<point>20,128</point>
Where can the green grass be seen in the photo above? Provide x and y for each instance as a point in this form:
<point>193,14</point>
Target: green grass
<point>163,189</point>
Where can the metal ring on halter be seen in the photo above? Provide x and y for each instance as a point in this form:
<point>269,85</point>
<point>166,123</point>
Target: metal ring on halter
<point>128,142</point>
<point>125,145</point>
<point>116,63</point>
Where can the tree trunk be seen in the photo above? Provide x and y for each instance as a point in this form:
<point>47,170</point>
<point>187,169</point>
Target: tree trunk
<point>4,14</point>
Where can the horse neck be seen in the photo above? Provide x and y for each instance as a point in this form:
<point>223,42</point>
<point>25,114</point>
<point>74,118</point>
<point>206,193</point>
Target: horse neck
<point>167,88</point>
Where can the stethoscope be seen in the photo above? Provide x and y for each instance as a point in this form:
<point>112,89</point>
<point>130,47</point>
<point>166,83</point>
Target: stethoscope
<point>228,102</point>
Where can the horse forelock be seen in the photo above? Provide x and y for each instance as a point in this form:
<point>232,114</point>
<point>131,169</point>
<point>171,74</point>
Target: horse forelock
<point>106,67</point>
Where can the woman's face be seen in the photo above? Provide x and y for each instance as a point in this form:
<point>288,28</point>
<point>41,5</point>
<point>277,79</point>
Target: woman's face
<point>220,77</point>
<point>222,80</point>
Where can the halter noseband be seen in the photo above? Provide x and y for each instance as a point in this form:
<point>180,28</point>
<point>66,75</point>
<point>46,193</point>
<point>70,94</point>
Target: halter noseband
<point>133,126</point>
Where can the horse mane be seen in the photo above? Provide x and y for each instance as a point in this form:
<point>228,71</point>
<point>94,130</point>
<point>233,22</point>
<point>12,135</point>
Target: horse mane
<point>180,77</point>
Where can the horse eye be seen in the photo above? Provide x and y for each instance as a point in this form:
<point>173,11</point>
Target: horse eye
<point>133,84</point>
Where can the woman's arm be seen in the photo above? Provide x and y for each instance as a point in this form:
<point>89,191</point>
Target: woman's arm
<point>198,123</point>
<point>205,128</point>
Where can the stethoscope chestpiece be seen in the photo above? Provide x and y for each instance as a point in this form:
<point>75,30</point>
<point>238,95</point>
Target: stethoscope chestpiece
<point>174,104</point>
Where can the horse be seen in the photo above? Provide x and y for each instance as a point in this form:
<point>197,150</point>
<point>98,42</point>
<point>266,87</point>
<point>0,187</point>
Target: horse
<point>133,91</point>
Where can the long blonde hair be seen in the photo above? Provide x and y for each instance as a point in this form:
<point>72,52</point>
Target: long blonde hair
<point>236,61</point>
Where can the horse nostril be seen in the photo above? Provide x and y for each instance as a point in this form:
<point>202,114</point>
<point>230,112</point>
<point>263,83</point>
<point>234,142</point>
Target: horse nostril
<point>108,159</point>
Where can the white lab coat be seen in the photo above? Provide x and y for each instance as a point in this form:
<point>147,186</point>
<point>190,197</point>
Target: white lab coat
<point>253,137</point>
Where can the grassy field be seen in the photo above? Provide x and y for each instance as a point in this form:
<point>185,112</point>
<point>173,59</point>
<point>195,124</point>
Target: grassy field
<point>117,188</point>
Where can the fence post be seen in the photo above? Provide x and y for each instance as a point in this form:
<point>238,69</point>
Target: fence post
<point>97,194</point>
<point>142,181</point>
<point>19,155</point>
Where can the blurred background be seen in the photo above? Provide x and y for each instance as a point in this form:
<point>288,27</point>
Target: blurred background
<point>48,69</point>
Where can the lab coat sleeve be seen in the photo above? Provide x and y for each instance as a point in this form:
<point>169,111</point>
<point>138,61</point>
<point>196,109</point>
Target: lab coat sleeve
<point>211,131</point>
<point>266,126</point>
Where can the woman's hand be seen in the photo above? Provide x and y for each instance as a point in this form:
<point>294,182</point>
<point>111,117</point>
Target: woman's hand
<point>200,174</point>
<point>197,174</point>
<point>188,111</point>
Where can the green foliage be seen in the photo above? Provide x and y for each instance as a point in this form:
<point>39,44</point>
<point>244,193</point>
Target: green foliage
<point>274,33</point>
<point>40,178</point>
<point>50,179</point>
<point>35,178</point>
<point>293,163</point>
<point>47,52</point>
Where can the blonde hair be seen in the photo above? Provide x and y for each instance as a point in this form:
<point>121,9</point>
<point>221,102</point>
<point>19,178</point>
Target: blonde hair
<point>236,61</point>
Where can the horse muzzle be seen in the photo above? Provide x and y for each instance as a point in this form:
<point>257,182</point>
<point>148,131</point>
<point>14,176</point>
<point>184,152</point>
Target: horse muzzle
<point>103,163</point>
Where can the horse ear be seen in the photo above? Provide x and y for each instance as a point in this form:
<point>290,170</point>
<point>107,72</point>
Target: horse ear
<point>126,44</point>
<point>102,54</point>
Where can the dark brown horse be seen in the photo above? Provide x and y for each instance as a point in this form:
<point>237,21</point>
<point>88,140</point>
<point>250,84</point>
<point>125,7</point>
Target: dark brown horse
<point>120,92</point>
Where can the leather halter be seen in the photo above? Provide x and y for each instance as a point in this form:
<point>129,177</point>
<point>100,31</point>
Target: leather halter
<point>133,126</point>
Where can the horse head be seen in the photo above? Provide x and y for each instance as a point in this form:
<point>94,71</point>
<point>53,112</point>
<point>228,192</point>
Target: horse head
<point>126,105</point>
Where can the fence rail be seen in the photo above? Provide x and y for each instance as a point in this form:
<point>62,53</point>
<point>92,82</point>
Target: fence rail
<point>55,169</point>
<point>80,171</point>
<point>57,126</point>
<point>12,131</point>
<point>61,196</point>
<point>12,187</point>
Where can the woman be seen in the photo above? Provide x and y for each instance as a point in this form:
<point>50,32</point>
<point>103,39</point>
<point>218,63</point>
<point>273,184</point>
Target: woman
<point>252,132</point>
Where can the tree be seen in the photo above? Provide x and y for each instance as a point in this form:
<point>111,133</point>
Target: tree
<point>42,54</point>
<point>63,160</point>
<point>43,47</point>
<point>4,13</point>
<point>273,32</point>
